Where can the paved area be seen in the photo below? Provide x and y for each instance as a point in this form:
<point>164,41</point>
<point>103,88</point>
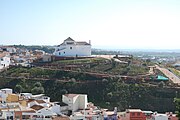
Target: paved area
<point>169,74</point>
<point>104,56</point>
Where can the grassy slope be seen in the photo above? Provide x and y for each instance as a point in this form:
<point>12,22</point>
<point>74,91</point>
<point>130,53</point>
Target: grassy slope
<point>105,93</point>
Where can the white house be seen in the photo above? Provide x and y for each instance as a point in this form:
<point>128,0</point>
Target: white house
<point>4,94</point>
<point>64,108</point>
<point>71,48</point>
<point>7,110</point>
<point>9,49</point>
<point>56,108</point>
<point>75,101</point>
<point>86,115</point>
<point>158,116</point>
<point>6,115</point>
<point>4,61</point>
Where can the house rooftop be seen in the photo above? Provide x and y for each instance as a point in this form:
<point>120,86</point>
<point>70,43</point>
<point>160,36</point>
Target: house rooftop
<point>6,89</point>
<point>40,101</point>
<point>74,42</point>
<point>30,100</point>
<point>62,104</point>
<point>61,118</point>
<point>70,95</point>
<point>37,107</point>
<point>26,93</point>
<point>160,114</point>
<point>82,43</point>
<point>134,110</point>
<point>36,96</point>
<point>69,39</point>
<point>148,112</point>
<point>2,55</point>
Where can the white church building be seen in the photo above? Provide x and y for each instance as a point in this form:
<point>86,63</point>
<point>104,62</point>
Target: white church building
<point>72,48</point>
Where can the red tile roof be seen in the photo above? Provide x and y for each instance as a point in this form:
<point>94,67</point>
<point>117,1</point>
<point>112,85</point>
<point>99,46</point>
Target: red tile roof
<point>40,101</point>
<point>61,118</point>
<point>30,100</point>
<point>37,107</point>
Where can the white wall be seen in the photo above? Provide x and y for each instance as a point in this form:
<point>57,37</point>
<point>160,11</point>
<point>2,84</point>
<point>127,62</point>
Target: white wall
<point>46,99</point>
<point>46,112</point>
<point>78,102</point>
<point>4,62</point>
<point>160,117</point>
<point>68,101</point>
<point>64,109</point>
<point>4,93</point>
<point>11,49</point>
<point>78,116</point>
<point>7,114</point>
<point>44,104</point>
<point>56,109</point>
<point>30,104</point>
<point>26,95</point>
<point>83,101</point>
<point>79,50</point>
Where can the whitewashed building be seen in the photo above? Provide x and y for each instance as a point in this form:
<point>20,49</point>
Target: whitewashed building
<point>75,101</point>
<point>157,116</point>
<point>4,61</point>
<point>9,49</point>
<point>4,94</point>
<point>72,48</point>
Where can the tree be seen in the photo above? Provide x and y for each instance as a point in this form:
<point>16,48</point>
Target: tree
<point>18,88</point>
<point>148,60</point>
<point>37,84</point>
<point>113,62</point>
<point>144,64</point>
<point>161,84</point>
<point>37,90</point>
<point>177,102</point>
<point>110,94</point>
<point>64,91</point>
<point>129,62</point>
<point>105,81</point>
<point>73,80</point>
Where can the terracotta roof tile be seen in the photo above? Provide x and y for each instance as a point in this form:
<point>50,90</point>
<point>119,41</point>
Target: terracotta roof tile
<point>61,118</point>
<point>37,107</point>
<point>30,100</point>
<point>40,101</point>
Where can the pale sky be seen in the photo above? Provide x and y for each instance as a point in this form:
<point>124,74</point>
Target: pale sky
<point>117,24</point>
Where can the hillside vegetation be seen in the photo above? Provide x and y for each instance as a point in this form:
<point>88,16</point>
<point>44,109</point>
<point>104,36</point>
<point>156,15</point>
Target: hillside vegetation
<point>75,76</point>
